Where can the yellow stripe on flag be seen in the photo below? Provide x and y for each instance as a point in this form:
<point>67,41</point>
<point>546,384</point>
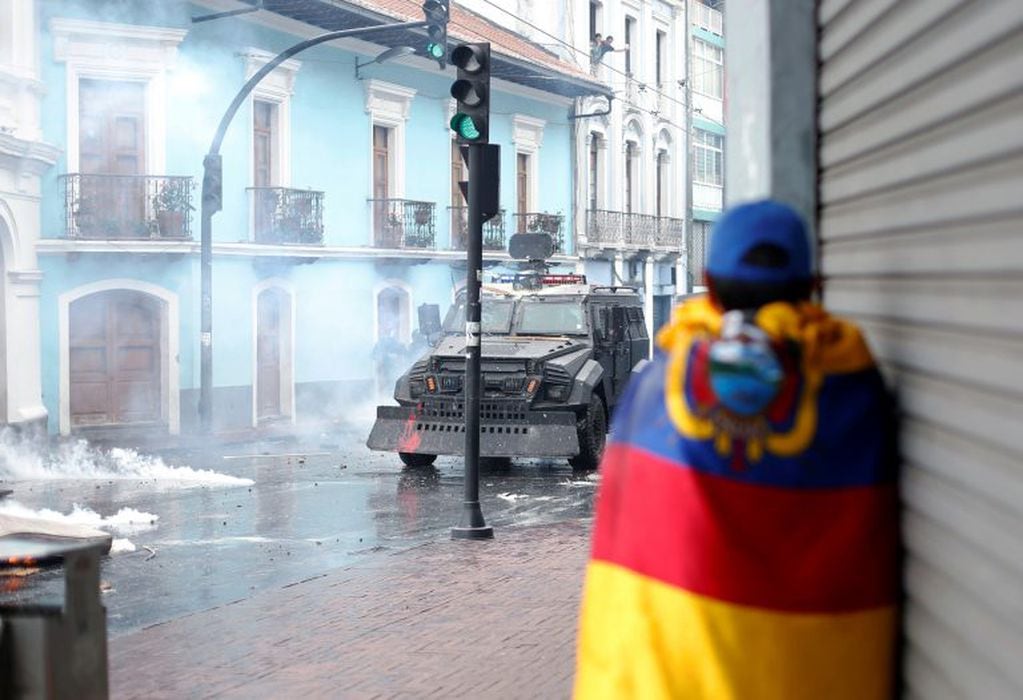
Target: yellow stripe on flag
<point>640,638</point>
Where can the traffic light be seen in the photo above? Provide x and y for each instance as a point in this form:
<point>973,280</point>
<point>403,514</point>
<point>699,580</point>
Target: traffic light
<point>471,122</point>
<point>213,182</point>
<point>436,13</point>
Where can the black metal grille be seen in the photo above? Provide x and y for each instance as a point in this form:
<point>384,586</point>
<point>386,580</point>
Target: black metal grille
<point>554,374</point>
<point>542,222</point>
<point>493,230</point>
<point>127,206</point>
<point>403,223</point>
<point>504,411</point>
<point>284,216</point>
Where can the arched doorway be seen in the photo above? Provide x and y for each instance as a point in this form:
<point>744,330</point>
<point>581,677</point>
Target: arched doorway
<point>273,398</point>
<point>393,334</point>
<point>115,363</point>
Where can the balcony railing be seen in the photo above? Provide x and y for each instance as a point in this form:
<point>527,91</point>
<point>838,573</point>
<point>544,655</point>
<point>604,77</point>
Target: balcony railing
<point>127,206</point>
<point>403,223</point>
<point>283,216</point>
<point>708,18</point>
<point>493,230</point>
<point>619,228</point>
<point>542,222</point>
<point>670,232</point>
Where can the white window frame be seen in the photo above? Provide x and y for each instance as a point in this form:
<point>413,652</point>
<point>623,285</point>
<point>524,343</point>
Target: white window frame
<point>634,135</point>
<point>388,105</point>
<point>664,143</point>
<point>277,88</point>
<point>705,55</point>
<point>711,148</point>
<point>143,55</point>
<point>527,139</point>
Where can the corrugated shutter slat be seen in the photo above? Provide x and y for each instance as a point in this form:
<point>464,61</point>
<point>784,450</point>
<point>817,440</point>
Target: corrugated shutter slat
<point>921,239</point>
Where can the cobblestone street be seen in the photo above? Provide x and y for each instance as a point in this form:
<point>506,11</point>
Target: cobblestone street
<point>447,619</point>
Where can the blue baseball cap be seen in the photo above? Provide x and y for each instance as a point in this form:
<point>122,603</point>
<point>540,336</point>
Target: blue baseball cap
<point>746,226</point>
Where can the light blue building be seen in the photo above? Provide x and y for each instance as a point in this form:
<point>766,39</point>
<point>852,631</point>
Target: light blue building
<point>341,210</point>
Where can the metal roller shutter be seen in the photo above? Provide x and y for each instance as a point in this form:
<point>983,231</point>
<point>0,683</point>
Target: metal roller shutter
<point>921,228</point>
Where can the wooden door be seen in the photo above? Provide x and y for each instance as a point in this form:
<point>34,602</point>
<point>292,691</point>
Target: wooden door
<point>111,144</point>
<point>114,348</point>
<point>264,122</point>
<point>269,309</point>
<point>381,185</point>
<point>522,188</point>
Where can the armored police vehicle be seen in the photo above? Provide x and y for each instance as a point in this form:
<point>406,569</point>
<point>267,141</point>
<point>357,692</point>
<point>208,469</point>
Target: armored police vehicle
<point>556,355</point>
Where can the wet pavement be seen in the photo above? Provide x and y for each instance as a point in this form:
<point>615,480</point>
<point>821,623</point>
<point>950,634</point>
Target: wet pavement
<point>311,507</point>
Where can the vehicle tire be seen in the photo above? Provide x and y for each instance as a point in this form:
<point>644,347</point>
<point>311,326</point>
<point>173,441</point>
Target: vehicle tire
<point>414,459</point>
<point>592,436</point>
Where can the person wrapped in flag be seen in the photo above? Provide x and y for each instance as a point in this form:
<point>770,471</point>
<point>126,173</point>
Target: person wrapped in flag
<point>745,538</point>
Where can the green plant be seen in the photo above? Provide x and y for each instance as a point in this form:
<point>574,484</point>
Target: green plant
<point>173,195</point>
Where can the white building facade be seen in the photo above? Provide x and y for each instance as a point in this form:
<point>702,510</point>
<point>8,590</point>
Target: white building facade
<point>23,157</point>
<point>636,188</point>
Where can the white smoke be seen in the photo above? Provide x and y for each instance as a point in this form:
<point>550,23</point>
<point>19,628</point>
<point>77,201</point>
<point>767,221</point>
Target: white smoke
<point>126,521</point>
<point>23,459</point>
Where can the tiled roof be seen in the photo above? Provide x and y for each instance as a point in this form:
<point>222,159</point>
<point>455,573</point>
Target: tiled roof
<point>515,58</point>
<point>469,26</point>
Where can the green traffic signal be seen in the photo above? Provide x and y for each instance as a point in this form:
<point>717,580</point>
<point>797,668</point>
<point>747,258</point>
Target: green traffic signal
<point>465,126</point>
<point>435,50</point>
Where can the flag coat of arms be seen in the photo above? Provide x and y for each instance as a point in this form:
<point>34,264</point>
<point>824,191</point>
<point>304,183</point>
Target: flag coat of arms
<point>741,555</point>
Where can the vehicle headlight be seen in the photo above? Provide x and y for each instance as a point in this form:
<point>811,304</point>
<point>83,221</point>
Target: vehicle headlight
<point>557,392</point>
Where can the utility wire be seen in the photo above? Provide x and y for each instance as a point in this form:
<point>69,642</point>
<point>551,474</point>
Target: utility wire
<point>581,51</point>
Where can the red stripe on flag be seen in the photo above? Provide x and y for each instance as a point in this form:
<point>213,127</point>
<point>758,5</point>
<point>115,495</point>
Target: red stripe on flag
<point>799,550</point>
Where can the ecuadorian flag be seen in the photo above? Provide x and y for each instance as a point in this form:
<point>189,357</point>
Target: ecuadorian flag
<point>746,557</point>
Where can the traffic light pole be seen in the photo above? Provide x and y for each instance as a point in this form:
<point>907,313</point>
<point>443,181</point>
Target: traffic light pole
<point>212,198</point>
<point>472,525</point>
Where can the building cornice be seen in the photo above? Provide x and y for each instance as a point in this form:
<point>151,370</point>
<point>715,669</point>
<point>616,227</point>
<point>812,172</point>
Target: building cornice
<point>32,157</point>
<point>63,246</point>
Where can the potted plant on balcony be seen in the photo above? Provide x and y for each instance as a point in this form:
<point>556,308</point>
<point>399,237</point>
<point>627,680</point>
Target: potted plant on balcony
<point>171,205</point>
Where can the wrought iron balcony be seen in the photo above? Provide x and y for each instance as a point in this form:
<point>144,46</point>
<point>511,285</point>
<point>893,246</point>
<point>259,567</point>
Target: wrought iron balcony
<point>283,216</point>
<point>619,228</point>
<point>670,232</point>
<point>403,223</point>
<point>542,222</point>
<point>493,230</point>
<point>108,207</point>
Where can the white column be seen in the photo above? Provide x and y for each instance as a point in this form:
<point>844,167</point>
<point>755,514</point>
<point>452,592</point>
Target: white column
<point>771,123</point>
<point>24,388</point>
<point>648,298</point>
<point>618,269</point>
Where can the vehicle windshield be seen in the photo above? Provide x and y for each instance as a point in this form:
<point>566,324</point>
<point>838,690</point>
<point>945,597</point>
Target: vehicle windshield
<point>496,317</point>
<point>538,317</point>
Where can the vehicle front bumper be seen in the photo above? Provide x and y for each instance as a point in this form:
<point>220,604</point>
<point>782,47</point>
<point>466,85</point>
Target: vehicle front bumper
<point>507,429</point>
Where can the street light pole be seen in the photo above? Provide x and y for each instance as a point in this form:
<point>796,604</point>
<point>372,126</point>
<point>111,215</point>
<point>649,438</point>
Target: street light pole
<point>472,525</point>
<point>212,198</point>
